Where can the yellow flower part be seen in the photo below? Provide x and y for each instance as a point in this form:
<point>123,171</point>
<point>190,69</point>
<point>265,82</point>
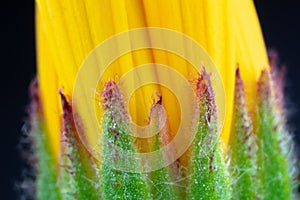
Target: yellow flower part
<point>68,30</point>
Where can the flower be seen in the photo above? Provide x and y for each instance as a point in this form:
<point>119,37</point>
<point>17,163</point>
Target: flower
<point>74,162</point>
<point>68,30</point>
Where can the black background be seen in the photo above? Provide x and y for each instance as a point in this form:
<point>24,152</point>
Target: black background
<point>280,24</point>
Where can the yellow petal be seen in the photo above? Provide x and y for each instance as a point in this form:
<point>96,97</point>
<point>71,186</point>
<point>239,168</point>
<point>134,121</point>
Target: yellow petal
<point>68,30</point>
<point>48,84</point>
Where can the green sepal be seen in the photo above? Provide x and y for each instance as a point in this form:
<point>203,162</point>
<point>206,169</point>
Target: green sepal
<point>46,169</point>
<point>78,179</point>
<point>209,178</point>
<point>161,180</point>
<point>47,177</point>
<point>118,183</point>
<point>274,153</point>
<point>242,147</point>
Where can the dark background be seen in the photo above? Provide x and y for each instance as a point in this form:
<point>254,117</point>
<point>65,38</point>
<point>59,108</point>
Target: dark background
<point>280,24</point>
